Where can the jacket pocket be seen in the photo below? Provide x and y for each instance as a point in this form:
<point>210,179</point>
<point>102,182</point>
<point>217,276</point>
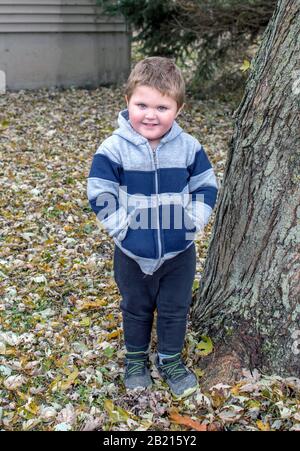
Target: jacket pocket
<point>179,232</point>
<point>141,238</point>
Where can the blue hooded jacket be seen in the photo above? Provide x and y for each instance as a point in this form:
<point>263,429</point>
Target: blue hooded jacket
<point>151,202</point>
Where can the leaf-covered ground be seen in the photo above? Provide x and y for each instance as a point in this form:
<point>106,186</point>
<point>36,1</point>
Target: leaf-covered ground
<point>61,342</point>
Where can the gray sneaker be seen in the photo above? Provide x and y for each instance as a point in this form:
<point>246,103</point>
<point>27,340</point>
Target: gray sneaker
<point>182,382</point>
<point>137,373</point>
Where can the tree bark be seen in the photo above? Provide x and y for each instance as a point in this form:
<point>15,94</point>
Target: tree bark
<point>248,300</point>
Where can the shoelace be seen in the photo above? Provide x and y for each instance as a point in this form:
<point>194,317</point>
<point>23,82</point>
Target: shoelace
<point>175,370</point>
<point>136,367</point>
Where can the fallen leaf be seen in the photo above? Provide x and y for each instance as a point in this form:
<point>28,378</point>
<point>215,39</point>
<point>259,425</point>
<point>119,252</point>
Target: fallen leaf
<point>64,385</point>
<point>231,413</point>
<point>89,305</point>
<point>63,427</point>
<point>30,424</point>
<point>245,66</point>
<point>205,346</point>
<point>67,415</point>
<point>199,372</point>
<point>85,322</point>
<point>14,382</point>
<point>263,426</point>
<point>91,424</point>
<point>114,334</point>
<point>187,421</point>
<point>116,414</point>
<point>47,413</point>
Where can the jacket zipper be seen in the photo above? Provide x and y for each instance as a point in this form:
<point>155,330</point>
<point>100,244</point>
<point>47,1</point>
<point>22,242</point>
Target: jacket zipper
<point>157,201</point>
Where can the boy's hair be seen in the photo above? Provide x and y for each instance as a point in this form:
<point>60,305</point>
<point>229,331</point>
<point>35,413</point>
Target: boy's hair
<point>159,73</point>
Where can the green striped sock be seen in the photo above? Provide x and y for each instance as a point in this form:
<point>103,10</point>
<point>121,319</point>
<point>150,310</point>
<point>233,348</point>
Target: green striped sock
<point>166,356</point>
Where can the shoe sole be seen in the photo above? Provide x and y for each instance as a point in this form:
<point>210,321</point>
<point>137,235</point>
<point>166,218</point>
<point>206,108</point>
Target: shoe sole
<point>186,393</point>
<point>140,387</point>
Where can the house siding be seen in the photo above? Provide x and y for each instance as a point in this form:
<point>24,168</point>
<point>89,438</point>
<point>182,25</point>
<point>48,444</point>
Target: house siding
<point>61,43</point>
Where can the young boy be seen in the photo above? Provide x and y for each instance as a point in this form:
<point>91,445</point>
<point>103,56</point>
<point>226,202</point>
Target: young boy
<point>152,187</point>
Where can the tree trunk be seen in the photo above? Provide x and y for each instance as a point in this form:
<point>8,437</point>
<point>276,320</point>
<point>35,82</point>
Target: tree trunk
<point>248,301</point>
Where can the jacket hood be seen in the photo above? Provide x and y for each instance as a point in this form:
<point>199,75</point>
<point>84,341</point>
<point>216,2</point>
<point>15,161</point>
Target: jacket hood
<point>126,131</point>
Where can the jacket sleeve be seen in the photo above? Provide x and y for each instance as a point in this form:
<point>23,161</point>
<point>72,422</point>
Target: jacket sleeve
<point>203,189</point>
<point>103,193</point>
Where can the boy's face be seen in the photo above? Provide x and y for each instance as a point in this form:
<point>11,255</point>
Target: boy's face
<point>150,113</point>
